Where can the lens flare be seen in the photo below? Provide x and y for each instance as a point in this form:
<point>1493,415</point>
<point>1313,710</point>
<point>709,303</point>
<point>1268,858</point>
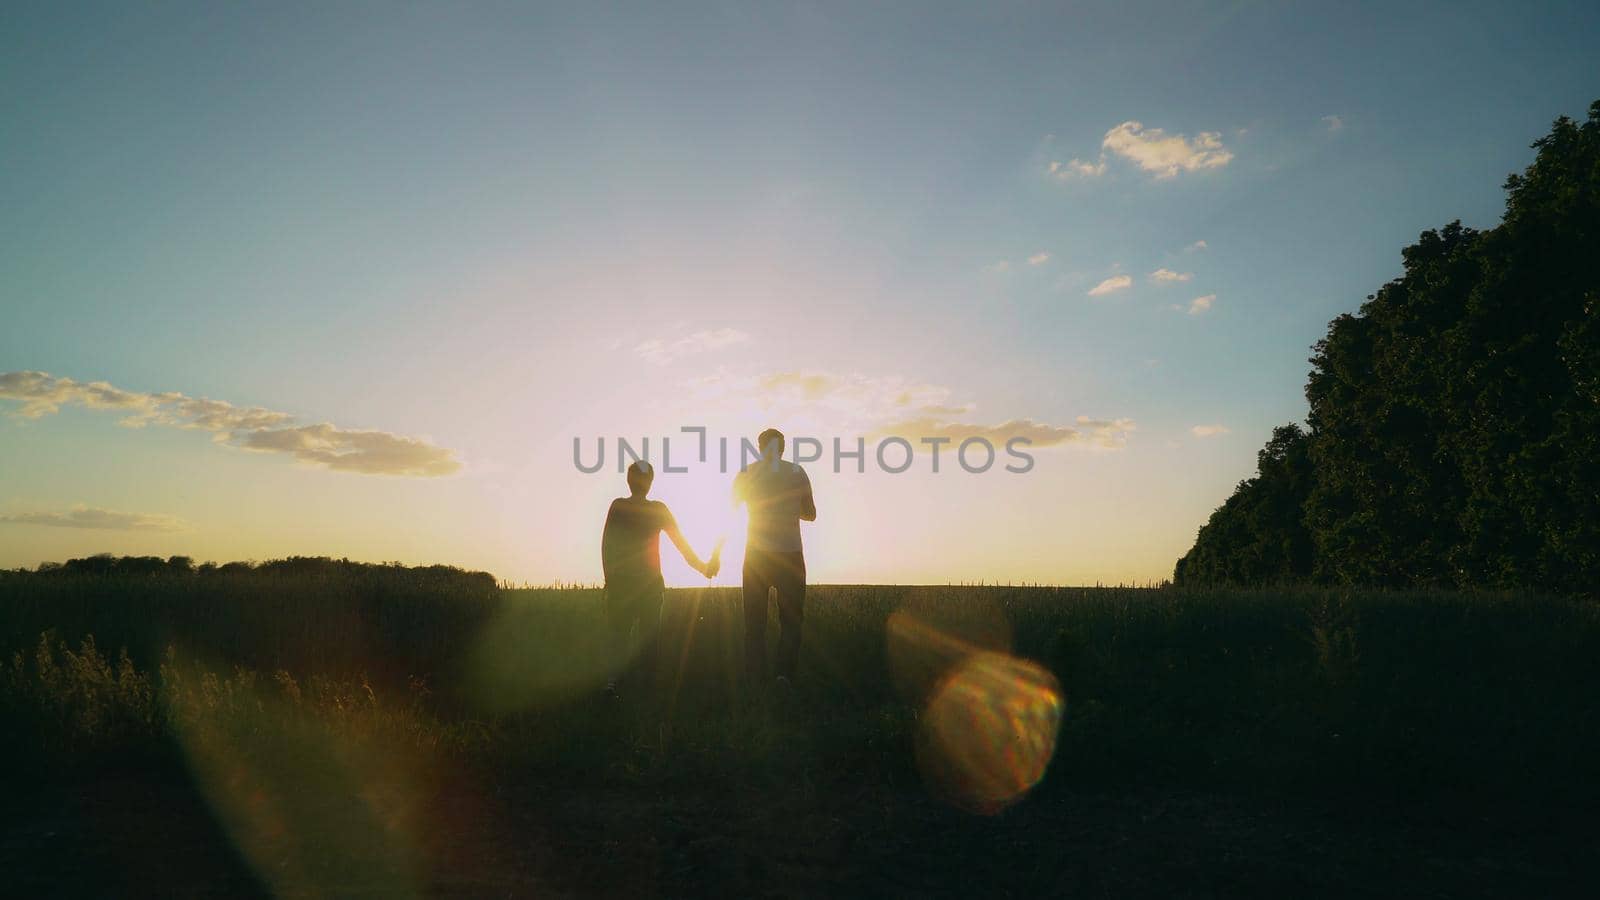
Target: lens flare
<point>539,653</point>
<point>926,644</point>
<point>989,720</point>
<point>314,805</point>
<point>989,732</point>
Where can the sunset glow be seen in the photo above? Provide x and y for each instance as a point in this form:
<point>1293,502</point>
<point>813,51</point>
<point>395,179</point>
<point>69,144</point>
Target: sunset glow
<point>275,326</point>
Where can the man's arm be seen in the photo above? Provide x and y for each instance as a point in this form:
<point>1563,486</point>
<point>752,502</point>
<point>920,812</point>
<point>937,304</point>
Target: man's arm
<point>808,505</point>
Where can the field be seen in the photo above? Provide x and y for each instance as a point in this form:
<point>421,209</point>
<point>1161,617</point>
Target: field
<point>382,732</point>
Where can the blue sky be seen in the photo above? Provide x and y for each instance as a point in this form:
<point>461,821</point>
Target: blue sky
<point>466,225</point>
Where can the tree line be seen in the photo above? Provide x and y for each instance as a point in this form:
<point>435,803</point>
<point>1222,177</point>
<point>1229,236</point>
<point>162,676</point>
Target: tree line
<point>107,565</point>
<point>1453,437</point>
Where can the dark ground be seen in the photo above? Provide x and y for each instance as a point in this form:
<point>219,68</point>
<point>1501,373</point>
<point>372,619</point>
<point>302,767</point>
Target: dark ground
<point>1280,743</point>
<point>127,836</point>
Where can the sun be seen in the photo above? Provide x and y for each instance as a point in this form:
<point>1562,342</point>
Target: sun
<point>702,502</point>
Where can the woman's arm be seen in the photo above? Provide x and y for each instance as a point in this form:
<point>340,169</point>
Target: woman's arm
<point>608,537</point>
<point>670,526</point>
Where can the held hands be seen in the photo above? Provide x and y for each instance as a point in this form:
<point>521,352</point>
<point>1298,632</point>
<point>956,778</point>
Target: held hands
<point>714,565</point>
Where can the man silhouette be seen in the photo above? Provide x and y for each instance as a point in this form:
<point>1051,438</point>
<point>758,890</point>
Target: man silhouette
<point>778,495</point>
<point>630,554</point>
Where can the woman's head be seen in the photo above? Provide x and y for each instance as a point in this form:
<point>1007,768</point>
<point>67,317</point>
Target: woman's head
<point>640,477</point>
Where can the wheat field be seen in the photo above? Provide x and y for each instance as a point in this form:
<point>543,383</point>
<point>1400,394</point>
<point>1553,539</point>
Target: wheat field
<point>386,732</point>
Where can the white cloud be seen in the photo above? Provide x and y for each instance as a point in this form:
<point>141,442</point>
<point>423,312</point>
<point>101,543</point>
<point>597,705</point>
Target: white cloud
<point>663,352</point>
<point>1205,431</point>
<point>1200,304</point>
<point>1168,275</point>
<point>1077,168</point>
<point>1038,259</point>
<point>1334,123</point>
<point>101,519</point>
<point>1195,247</point>
<point>1163,155</point>
<point>1111,285</point>
<point>250,427</point>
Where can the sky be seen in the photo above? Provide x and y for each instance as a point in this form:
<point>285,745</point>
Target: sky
<point>350,279</point>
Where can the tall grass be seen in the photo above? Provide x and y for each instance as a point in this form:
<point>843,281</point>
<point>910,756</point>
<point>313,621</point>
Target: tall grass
<point>1330,692</point>
<point>329,617</point>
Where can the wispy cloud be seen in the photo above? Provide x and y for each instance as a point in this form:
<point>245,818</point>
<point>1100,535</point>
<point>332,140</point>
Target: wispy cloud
<point>1077,168</point>
<point>852,398</point>
<point>1111,285</point>
<point>1167,275</point>
<point>1334,123</point>
<point>1201,304</point>
<point>1038,259</point>
<point>1195,247</point>
<point>350,450</point>
<point>998,266</point>
<point>1109,434</point>
<point>663,352</point>
<point>1205,431</point>
<point>884,406</point>
<point>251,427</point>
<point>101,519</point>
<point>1164,155</point>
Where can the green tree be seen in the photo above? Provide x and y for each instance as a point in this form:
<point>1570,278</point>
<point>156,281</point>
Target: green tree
<point>1454,423</point>
<point>1259,534</point>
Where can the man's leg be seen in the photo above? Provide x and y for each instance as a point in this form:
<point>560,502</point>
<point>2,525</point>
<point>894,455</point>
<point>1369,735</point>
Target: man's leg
<point>791,583</point>
<point>755,617</point>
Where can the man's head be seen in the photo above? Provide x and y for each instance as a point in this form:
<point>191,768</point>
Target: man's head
<point>640,477</point>
<point>771,444</point>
